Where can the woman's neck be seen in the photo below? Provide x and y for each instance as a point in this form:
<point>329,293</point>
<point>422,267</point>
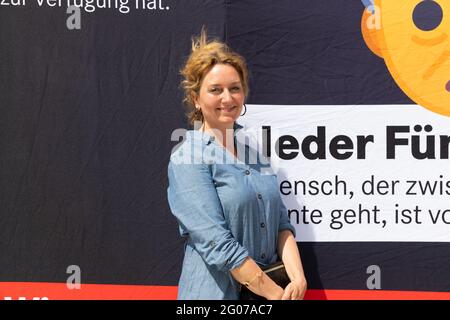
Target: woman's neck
<point>224,135</point>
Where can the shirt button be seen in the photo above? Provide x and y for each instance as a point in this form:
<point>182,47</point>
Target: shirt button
<point>259,196</point>
<point>247,172</point>
<point>212,138</point>
<point>263,256</point>
<point>263,225</point>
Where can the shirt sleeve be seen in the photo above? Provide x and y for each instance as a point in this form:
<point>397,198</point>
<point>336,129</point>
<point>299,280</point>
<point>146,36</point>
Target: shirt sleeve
<point>194,202</point>
<point>285,223</point>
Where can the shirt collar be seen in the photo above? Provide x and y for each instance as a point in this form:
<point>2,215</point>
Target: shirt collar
<point>207,138</point>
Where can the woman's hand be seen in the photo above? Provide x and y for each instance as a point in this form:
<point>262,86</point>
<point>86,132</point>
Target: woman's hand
<point>276,295</point>
<point>295,290</point>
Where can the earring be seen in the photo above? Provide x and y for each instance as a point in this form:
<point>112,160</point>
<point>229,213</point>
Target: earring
<point>245,109</point>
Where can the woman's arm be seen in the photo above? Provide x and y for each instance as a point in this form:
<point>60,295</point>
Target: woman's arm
<point>258,282</point>
<point>193,200</point>
<point>288,252</point>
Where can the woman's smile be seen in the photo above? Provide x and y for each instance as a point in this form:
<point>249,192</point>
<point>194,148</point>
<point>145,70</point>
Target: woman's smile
<point>227,109</point>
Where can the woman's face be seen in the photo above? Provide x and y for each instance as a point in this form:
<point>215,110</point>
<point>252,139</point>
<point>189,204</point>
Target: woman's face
<point>221,97</point>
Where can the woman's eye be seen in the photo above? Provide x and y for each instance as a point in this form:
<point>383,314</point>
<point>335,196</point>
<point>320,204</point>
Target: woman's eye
<point>427,15</point>
<point>214,90</point>
<point>235,89</point>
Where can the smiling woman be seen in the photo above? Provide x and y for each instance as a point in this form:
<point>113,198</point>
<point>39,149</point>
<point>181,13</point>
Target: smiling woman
<point>231,214</point>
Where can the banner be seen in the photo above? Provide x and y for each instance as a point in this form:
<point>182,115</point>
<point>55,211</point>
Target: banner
<point>354,106</point>
<point>351,96</point>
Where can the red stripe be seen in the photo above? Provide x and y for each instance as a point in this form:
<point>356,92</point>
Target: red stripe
<point>375,295</point>
<point>59,291</point>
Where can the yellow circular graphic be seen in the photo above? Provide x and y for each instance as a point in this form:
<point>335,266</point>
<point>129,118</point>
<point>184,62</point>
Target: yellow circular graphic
<point>415,45</point>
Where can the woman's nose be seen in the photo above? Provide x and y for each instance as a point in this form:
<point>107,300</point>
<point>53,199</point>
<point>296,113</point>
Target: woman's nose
<point>226,96</point>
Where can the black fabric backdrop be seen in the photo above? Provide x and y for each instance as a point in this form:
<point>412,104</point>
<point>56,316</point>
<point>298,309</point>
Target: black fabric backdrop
<point>85,123</point>
<point>86,118</point>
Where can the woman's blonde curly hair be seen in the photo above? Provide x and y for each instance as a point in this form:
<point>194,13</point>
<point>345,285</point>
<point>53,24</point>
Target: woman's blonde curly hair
<point>204,55</point>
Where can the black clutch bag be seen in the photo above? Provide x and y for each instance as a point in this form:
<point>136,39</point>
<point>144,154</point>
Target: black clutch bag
<point>276,272</point>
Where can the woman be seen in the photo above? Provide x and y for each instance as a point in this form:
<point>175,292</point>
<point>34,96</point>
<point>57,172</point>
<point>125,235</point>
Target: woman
<point>229,211</point>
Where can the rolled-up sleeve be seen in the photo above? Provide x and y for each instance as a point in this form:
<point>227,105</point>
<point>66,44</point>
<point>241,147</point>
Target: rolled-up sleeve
<point>285,223</point>
<point>194,202</point>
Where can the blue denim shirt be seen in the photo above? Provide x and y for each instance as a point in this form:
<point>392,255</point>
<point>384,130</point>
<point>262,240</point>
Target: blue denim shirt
<point>227,209</point>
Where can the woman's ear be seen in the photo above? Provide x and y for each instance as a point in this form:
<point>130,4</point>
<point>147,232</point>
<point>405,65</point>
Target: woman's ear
<point>371,30</point>
<point>194,97</point>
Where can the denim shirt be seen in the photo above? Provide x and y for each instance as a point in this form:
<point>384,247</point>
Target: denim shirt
<point>227,209</point>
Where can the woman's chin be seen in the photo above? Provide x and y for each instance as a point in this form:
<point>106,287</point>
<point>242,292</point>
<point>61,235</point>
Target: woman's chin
<point>228,119</point>
<point>223,121</point>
